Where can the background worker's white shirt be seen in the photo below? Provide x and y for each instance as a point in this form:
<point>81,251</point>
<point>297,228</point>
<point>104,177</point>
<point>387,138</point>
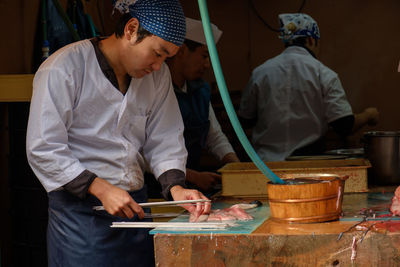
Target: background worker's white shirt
<point>79,120</point>
<point>294,97</point>
<point>217,142</point>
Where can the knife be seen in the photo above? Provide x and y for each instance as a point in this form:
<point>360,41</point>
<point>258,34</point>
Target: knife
<point>163,203</point>
<point>161,215</point>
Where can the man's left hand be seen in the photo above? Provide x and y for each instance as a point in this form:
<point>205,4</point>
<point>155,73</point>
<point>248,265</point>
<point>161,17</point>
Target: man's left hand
<point>197,209</point>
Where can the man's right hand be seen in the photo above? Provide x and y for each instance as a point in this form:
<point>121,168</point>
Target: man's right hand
<point>115,200</point>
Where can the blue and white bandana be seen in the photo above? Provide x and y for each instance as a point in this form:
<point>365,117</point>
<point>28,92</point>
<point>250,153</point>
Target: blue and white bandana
<point>297,25</point>
<point>163,18</point>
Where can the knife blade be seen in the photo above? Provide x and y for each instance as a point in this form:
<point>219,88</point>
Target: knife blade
<point>161,215</point>
<point>164,203</point>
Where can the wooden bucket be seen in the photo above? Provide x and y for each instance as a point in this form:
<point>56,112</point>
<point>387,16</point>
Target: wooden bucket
<point>317,198</point>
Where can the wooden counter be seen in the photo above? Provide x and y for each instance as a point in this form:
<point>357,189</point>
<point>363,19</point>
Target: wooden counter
<point>277,244</point>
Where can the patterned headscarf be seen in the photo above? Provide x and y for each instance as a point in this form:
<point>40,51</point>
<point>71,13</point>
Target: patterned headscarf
<point>297,25</point>
<point>163,18</point>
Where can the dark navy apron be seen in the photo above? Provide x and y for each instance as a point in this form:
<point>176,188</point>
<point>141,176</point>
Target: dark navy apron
<point>194,106</point>
<point>79,236</point>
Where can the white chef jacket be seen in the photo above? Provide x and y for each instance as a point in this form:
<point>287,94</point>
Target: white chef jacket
<point>79,121</point>
<point>294,97</point>
<point>217,142</point>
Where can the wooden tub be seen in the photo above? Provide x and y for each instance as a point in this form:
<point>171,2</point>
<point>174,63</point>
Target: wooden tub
<point>317,198</point>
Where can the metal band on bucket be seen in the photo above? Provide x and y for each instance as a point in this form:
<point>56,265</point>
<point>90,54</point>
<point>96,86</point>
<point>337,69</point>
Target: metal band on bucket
<point>303,199</point>
<point>325,216</point>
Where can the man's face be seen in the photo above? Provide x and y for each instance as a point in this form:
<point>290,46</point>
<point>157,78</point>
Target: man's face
<point>196,62</point>
<point>140,59</point>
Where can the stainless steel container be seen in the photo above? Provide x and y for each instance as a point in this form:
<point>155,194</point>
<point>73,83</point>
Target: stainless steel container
<point>382,148</point>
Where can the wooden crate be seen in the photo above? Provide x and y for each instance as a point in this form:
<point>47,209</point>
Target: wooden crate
<point>245,179</point>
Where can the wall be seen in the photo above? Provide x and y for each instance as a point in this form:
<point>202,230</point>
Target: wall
<point>358,41</point>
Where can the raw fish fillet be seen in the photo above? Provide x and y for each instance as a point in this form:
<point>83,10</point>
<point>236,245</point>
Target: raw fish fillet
<point>229,214</point>
<point>395,207</point>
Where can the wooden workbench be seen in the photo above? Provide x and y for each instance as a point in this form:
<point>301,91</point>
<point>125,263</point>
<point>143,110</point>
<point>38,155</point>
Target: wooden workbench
<point>277,244</point>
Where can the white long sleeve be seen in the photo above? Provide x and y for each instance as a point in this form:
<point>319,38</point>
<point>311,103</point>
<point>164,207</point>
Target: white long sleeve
<point>217,142</point>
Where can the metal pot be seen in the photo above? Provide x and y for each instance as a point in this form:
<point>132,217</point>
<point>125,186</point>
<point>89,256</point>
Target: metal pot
<point>382,148</point>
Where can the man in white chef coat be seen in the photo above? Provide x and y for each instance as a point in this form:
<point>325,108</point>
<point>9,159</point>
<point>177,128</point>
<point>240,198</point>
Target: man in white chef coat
<point>99,109</point>
<point>202,130</point>
<point>293,98</point>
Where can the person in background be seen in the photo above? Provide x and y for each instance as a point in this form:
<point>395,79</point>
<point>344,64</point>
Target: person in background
<point>100,108</point>
<point>293,98</point>
<point>202,130</point>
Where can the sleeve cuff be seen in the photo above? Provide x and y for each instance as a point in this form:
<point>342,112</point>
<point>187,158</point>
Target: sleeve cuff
<point>80,185</point>
<point>169,179</point>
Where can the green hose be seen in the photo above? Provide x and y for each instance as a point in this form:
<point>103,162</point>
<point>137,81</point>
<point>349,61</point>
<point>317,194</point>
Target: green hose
<point>226,99</point>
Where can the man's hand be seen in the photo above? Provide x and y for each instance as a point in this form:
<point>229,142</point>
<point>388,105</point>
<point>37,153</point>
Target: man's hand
<point>229,158</point>
<point>115,200</point>
<point>373,116</point>
<point>197,209</point>
<point>203,180</point>
<point>369,116</point>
